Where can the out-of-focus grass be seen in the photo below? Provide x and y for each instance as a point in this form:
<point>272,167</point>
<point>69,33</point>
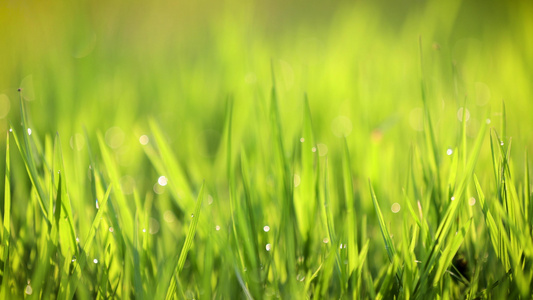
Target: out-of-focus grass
<point>285,110</point>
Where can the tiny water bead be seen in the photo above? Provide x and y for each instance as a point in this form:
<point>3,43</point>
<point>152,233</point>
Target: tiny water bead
<point>472,201</point>
<point>302,140</point>
<point>325,240</point>
<point>73,259</point>
<point>452,198</point>
<point>217,228</point>
<point>28,289</point>
<point>144,139</point>
<point>268,246</point>
<point>449,151</point>
<point>77,239</point>
<point>460,114</point>
<point>266,228</point>
<point>297,180</point>
<point>29,131</point>
<point>395,207</point>
<point>487,121</point>
<point>144,229</point>
<point>162,180</point>
<point>111,229</point>
<point>97,206</point>
<point>95,261</point>
<point>209,199</point>
<point>313,149</point>
<point>501,143</point>
<point>192,215</point>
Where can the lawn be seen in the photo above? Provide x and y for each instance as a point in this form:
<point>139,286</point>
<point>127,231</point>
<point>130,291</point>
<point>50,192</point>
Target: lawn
<point>266,149</point>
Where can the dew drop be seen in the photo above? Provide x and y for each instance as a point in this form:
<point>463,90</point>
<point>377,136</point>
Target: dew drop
<point>472,201</point>
<point>162,180</point>
<point>313,149</point>
<point>28,289</point>
<point>10,129</point>
<point>97,206</point>
<point>266,228</point>
<point>487,121</point>
<point>73,259</point>
<point>268,246</point>
<point>302,140</point>
<point>77,239</point>
<point>111,229</point>
<point>192,215</point>
<point>449,151</point>
<point>501,143</point>
<point>325,240</point>
<point>144,229</point>
<point>395,207</point>
<point>217,228</point>
<point>95,261</point>
<point>144,139</point>
<point>453,198</point>
<point>29,131</point>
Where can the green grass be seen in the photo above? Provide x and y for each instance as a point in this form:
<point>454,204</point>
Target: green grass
<point>233,150</point>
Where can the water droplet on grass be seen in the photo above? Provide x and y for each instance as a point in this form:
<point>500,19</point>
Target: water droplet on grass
<point>395,207</point>
<point>162,180</point>
<point>144,229</point>
<point>266,228</point>
<point>472,201</point>
<point>313,149</point>
<point>501,143</point>
<point>29,131</point>
<point>487,121</point>
<point>452,198</point>
<point>325,240</point>
<point>95,261</point>
<point>111,229</point>
<point>449,151</point>
<point>268,246</point>
<point>144,139</point>
<point>217,228</point>
<point>302,140</point>
<point>28,289</point>
<point>97,206</point>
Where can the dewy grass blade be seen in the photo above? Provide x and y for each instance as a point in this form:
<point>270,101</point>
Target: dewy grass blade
<point>6,240</point>
<point>79,265</point>
<point>187,245</point>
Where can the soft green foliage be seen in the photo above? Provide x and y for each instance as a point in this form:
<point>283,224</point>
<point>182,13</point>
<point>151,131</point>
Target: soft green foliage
<point>270,149</point>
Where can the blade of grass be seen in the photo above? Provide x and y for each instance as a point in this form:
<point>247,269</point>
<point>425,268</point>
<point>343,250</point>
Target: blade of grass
<point>187,245</point>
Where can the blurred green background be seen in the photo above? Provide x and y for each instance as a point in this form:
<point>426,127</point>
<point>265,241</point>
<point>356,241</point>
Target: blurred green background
<point>111,65</point>
<point>106,64</point>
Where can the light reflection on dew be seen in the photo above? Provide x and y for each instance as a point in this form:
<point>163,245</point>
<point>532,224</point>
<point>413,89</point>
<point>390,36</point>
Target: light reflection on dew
<point>266,228</point>
<point>453,198</point>
<point>313,149</point>
<point>217,228</point>
<point>302,140</point>
<point>111,229</point>
<point>28,289</point>
<point>268,247</point>
<point>97,206</point>
<point>395,207</point>
<point>95,261</point>
<point>144,139</point>
<point>487,121</point>
<point>449,151</point>
<point>297,180</point>
<point>29,131</point>
<point>162,180</point>
<point>472,201</point>
<point>325,240</point>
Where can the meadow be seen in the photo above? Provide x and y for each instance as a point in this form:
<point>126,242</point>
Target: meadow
<point>260,150</point>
